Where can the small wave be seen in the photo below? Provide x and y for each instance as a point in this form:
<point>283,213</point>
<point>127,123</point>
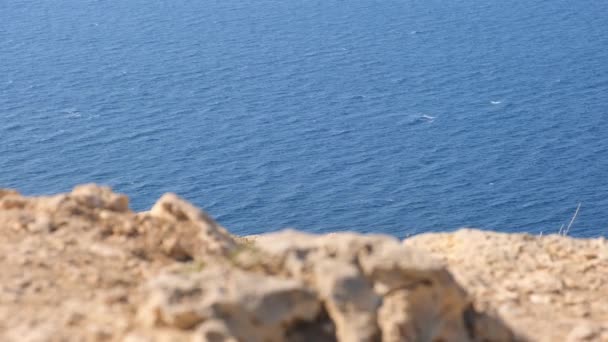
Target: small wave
<point>339,132</point>
<point>73,115</point>
<point>420,119</point>
<point>495,102</point>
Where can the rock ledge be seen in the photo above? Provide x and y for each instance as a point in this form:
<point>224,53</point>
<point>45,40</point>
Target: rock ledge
<point>83,267</point>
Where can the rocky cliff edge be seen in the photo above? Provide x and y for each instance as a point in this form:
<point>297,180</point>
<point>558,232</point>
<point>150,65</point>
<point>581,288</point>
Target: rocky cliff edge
<point>83,267</point>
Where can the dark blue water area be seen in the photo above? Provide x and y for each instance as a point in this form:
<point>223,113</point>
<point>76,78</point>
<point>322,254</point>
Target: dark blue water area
<point>395,117</point>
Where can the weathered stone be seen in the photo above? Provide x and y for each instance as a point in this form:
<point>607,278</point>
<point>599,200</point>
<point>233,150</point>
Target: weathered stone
<point>95,196</point>
<point>582,332</point>
<point>392,267</point>
<point>8,192</point>
<point>213,331</point>
<point>350,300</point>
<point>73,268</point>
<point>297,251</point>
<point>212,236</point>
<point>542,286</point>
<point>12,200</point>
<point>254,307</point>
<point>355,273</point>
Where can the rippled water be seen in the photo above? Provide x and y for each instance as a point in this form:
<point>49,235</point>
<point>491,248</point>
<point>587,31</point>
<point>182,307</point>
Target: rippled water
<point>388,116</point>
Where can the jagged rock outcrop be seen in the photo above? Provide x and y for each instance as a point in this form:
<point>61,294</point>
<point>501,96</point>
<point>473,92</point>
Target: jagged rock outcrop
<point>550,288</point>
<point>83,267</point>
<point>252,306</point>
<point>374,288</point>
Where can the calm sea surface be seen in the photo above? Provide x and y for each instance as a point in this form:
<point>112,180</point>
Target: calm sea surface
<point>388,116</point>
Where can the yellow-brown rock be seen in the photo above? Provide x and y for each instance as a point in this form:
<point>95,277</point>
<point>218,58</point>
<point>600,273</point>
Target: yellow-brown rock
<point>548,288</point>
<point>82,266</point>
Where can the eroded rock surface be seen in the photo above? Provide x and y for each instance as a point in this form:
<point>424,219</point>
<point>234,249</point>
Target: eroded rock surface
<point>549,288</point>
<point>251,306</point>
<point>83,267</point>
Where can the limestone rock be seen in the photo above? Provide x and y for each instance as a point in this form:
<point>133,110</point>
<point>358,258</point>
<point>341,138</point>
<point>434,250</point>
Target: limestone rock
<point>8,192</point>
<point>350,300</point>
<point>95,196</point>
<point>252,307</point>
<point>213,237</point>
<point>543,286</point>
<point>213,331</point>
<point>83,267</point>
<point>297,251</point>
<point>374,287</point>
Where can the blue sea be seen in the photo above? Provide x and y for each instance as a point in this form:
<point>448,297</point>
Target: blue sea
<point>394,116</point>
